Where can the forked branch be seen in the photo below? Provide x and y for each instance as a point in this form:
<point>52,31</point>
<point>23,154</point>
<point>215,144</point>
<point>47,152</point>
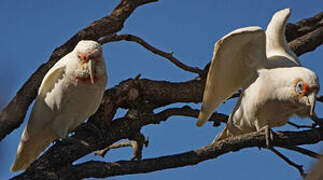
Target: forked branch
<point>167,55</point>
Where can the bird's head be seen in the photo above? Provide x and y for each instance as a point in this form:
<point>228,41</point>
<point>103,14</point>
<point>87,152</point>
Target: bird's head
<point>88,53</point>
<point>306,87</point>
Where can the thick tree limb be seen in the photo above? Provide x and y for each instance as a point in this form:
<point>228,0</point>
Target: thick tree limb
<point>303,27</point>
<point>167,55</point>
<point>308,42</point>
<point>306,35</point>
<point>12,116</point>
<point>103,169</point>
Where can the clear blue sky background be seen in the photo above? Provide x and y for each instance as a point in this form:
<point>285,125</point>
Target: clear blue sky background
<point>31,30</point>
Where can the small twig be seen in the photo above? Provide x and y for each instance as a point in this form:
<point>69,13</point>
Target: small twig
<point>319,99</point>
<point>303,151</point>
<point>140,141</point>
<point>169,56</point>
<point>298,167</point>
<point>317,120</point>
<point>136,146</point>
<point>137,77</point>
<point>114,146</point>
<point>216,118</point>
<point>301,126</point>
<point>235,95</point>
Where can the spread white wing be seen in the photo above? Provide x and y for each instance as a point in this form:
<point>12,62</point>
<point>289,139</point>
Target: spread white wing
<point>278,53</point>
<point>236,58</point>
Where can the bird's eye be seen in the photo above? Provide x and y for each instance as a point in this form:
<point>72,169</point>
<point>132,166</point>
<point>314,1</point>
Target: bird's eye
<point>79,57</point>
<point>299,87</point>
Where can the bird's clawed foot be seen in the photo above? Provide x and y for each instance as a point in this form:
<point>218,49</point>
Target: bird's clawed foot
<point>216,139</point>
<point>269,135</point>
<point>317,120</point>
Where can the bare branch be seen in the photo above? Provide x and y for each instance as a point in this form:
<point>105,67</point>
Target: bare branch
<point>169,56</point>
<point>303,151</point>
<point>303,27</point>
<point>306,35</point>
<point>320,98</point>
<point>300,126</point>
<point>115,146</point>
<point>298,167</point>
<point>103,169</point>
<point>235,95</point>
<point>216,118</point>
<point>137,146</point>
<point>308,42</point>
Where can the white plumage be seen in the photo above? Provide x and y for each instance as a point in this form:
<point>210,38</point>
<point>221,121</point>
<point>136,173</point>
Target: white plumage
<point>70,92</point>
<point>274,85</point>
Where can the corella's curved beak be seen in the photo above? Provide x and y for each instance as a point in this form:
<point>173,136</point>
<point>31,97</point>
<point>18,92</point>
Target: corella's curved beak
<point>312,101</point>
<point>91,63</point>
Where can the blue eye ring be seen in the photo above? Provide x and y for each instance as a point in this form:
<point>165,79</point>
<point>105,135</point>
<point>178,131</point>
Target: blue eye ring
<point>299,87</point>
<point>79,58</point>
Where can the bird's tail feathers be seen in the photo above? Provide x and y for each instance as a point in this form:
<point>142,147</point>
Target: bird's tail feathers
<point>28,150</point>
<point>221,136</point>
<point>203,117</point>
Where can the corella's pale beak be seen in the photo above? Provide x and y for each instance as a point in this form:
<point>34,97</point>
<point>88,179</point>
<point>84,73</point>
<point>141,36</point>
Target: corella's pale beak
<point>312,101</point>
<point>91,63</point>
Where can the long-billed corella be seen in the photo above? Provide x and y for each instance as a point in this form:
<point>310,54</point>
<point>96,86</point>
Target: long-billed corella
<point>70,92</point>
<point>274,85</point>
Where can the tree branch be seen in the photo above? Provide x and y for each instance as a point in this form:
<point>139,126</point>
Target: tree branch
<point>167,55</point>
<point>216,118</point>
<point>298,167</point>
<point>303,27</point>
<point>133,144</point>
<point>306,35</point>
<point>105,169</point>
<point>303,151</point>
<point>308,42</point>
<point>300,126</point>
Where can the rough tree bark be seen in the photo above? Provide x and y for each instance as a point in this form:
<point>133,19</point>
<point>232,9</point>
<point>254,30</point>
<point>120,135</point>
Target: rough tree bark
<point>140,97</point>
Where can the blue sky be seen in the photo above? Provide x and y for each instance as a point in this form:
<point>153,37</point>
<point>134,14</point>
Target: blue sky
<point>30,31</point>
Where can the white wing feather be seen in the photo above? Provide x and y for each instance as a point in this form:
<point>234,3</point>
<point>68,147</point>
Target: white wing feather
<point>236,59</point>
<point>36,136</point>
<point>43,110</point>
<point>278,53</point>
